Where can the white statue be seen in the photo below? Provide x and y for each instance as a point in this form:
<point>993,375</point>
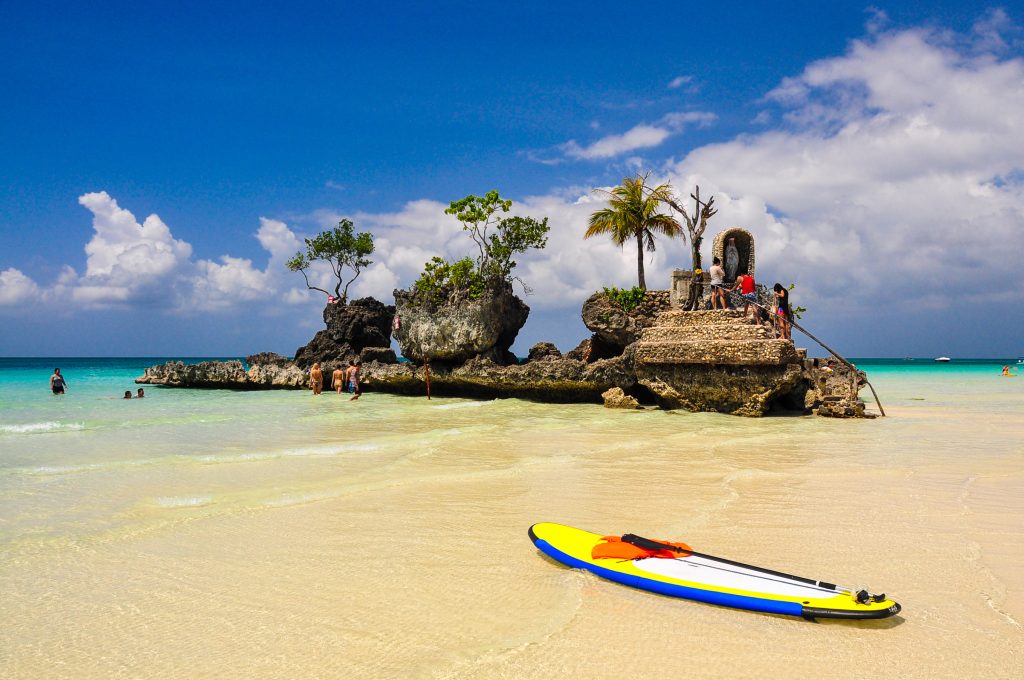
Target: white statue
<point>732,259</point>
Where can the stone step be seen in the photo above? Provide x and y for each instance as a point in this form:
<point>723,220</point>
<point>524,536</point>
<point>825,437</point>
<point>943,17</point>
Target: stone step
<point>725,352</point>
<point>741,331</point>
<point>703,317</point>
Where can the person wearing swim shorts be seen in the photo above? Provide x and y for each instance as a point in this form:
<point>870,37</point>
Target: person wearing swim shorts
<point>717,280</point>
<point>353,379</point>
<point>748,291</point>
<point>57,383</point>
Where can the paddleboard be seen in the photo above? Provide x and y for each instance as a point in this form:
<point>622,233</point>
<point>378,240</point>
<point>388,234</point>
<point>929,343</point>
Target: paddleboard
<point>715,580</point>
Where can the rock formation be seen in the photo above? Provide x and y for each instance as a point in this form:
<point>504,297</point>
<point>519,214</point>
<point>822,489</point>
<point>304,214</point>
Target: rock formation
<point>616,398</point>
<point>453,333</point>
<point>613,326</point>
<point>716,361</point>
<point>351,328</point>
<point>700,361</point>
<point>226,375</point>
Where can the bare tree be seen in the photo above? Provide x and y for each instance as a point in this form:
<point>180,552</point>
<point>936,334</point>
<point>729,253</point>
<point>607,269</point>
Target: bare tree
<point>696,223</point>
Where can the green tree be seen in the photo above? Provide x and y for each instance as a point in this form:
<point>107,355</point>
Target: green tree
<point>632,213</point>
<point>498,239</point>
<point>342,249</point>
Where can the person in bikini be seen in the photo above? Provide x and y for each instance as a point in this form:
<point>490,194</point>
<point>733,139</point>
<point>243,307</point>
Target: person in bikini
<point>57,383</point>
<point>338,380</point>
<point>316,379</point>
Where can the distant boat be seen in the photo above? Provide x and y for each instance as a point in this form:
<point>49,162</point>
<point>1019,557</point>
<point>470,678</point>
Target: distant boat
<point>1020,360</point>
<point>942,359</point>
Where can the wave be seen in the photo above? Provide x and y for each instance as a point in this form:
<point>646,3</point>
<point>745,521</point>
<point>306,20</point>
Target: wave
<point>462,404</point>
<point>183,501</point>
<point>38,428</point>
<point>302,452</point>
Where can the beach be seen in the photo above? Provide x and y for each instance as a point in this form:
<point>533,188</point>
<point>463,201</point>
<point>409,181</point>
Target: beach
<point>275,534</point>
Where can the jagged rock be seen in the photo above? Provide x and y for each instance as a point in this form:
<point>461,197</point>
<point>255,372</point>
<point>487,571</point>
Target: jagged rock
<point>552,380</point>
<point>616,327</point>
<point>542,351</point>
<point>226,375</point>
<point>204,374</point>
<point>267,358</point>
<point>350,328</point>
<point>453,333</point>
<point>384,355</point>
<point>616,398</point>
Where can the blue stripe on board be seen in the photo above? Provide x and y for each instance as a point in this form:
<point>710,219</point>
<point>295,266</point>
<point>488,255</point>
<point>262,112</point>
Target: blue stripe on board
<point>756,604</point>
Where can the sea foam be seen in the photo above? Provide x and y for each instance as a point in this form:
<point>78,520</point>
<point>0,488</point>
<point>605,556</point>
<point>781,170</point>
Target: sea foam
<point>38,428</point>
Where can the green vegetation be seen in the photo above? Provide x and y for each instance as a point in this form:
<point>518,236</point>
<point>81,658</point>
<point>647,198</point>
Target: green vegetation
<point>342,249</point>
<point>798,312</point>
<point>497,239</point>
<point>627,299</point>
<point>442,281</point>
<point>632,213</point>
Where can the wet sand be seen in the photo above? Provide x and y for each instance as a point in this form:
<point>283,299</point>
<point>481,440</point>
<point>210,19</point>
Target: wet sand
<point>390,541</point>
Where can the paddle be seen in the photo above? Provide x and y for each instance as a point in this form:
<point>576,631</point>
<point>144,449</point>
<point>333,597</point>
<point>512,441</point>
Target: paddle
<point>862,596</point>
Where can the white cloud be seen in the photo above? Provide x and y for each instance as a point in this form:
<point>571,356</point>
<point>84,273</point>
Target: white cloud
<point>130,264</point>
<point>16,288</point>
<point>679,81</point>
<point>643,136</point>
<point>127,260</point>
<point>898,174</point>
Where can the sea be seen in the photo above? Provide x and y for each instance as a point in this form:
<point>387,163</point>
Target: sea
<point>278,534</point>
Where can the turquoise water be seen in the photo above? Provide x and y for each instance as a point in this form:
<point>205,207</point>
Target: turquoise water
<point>217,533</point>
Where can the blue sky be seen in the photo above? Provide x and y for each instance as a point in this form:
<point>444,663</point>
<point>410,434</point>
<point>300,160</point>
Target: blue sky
<point>158,164</point>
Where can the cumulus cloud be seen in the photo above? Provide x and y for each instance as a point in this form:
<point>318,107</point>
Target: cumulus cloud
<point>643,136</point>
<point>16,288</point>
<point>129,264</point>
<point>898,168</point>
<point>126,260</point>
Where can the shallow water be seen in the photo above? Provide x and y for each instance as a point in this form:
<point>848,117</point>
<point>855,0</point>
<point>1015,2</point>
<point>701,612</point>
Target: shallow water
<point>276,534</point>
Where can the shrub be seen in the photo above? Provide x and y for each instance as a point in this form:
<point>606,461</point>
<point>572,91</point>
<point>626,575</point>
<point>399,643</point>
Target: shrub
<point>627,299</point>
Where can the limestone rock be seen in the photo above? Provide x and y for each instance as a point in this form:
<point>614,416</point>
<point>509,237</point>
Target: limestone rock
<point>616,327</point>
<point>453,333</point>
<point>350,328</point>
<point>616,398</point>
<point>384,355</point>
<point>204,374</point>
<point>542,351</point>
<point>267,358</point>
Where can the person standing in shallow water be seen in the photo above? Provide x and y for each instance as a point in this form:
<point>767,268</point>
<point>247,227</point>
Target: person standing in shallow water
<point>316,379</point>
<point>57,383</point>
<point>338,380</point>
<point>353,379</point>
<point>139,394</point>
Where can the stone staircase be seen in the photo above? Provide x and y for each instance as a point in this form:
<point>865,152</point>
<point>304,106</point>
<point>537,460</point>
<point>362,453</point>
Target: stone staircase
<point>718,337</point>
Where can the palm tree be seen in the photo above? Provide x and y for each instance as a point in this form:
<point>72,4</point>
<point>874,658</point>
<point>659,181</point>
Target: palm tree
<point>632,212</point>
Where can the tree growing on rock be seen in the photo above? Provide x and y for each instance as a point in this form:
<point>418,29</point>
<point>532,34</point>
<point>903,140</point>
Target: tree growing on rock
<point>342,249</point>
<point>498,240</point>
<point>632,213</point>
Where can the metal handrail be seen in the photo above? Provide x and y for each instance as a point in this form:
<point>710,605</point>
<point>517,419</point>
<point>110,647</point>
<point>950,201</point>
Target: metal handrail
<point>734,297</point>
